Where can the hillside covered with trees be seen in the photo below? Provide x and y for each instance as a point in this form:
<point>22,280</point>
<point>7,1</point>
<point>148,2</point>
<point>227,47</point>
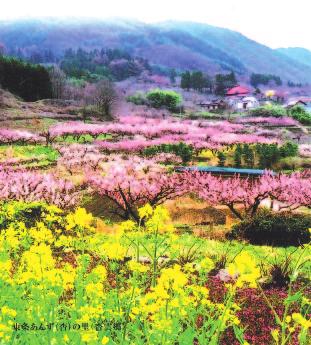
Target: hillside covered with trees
<point>180,45</point>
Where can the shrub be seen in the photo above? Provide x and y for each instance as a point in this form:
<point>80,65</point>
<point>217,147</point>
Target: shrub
<point>268,154</point>
<point>221,158</point>
<point>289,149</point>
<point>278,229</point>
<point>203,115</point>
<point>300,114</point>
<point>91,111</point>
<point>137,98</point>
<point>17,211</point>
<point>269,110</point>
<point>164,99</point>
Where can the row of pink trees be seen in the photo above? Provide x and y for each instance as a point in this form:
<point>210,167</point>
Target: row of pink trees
<point>130,185</point>
<point>244,196</point>
<point>196,133</point>
<point>185,130</point>
<point>11,136</point>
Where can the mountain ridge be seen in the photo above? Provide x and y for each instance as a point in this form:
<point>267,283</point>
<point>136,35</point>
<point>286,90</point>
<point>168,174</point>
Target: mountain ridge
<point>300,54</point>
<point>181,45</point>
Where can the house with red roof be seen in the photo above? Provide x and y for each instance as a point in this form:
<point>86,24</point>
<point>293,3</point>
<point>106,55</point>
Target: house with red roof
<point>239,91</point>
<point>240,99</point>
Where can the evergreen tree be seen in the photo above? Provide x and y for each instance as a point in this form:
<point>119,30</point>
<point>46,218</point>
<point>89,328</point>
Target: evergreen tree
<point>238,156</point>
<point>221,158</point>
<point>185,82</point>
<point>223,82</point>
<point>197,81</point>
<point>248,155</point>
<point>173,75</point>
<point>29,81</point>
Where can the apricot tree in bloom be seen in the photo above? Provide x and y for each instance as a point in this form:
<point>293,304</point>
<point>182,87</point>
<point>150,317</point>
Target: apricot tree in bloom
<point>79,157</point>
<point>130,184</point>
<point>243,196</point>
<point>30,186</point>
<point>10,136</point>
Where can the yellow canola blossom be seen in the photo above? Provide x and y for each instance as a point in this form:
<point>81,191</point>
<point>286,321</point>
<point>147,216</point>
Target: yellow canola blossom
<point>127,226</point>
<point>244,266</point>
<point>105,340</point>
<point>206,265</point>
<point>172,278</point>
<point>159,221</point>
<point>38,264</point>
<point>300,320</point>
<point>94,290</point>
<point>80,218</point>
<point>137,267</point>
<point>38,257</point>
<point>101,272</point>
<point>5,332</point>
<point>145,211</point>
<point>41,233</point>
<point>6,311</point>
<point>114,250</point>
<point>89,337</point>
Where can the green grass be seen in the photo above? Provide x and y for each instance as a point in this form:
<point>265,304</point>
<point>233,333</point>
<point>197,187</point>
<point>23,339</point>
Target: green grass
<point>37,150</point>
<point>44,155</point>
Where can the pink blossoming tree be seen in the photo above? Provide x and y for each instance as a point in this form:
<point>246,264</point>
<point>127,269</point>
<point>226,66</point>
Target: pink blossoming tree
<point>131,184</point>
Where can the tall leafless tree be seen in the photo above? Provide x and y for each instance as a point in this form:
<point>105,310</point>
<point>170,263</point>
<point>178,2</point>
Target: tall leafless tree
<point>58,80</point>
<point>106,98</point>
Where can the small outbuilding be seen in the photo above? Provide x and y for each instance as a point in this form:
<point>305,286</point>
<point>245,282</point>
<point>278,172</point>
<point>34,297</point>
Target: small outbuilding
<point>214,105</point>
<point>243,103</point>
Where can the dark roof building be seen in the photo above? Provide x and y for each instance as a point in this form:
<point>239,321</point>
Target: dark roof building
<point>293,103</point>
<point>214,104</point>
<point>223,171</point>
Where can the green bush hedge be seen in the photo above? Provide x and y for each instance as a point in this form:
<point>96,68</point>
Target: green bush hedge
<point>184,151</point>
<point>269,110</point>
<point>138,98</point>
<point>276,229</point>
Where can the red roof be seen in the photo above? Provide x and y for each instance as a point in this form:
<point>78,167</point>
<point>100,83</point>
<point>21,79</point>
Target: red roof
<point>238,90</point>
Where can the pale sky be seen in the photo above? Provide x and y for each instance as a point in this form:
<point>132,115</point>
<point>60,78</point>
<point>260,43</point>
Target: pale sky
<point>276,23</point>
